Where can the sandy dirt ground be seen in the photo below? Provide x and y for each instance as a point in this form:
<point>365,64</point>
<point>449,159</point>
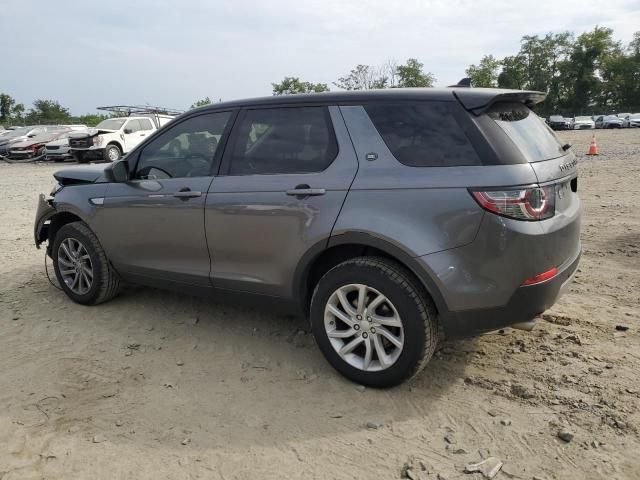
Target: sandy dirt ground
<point>154,385</point>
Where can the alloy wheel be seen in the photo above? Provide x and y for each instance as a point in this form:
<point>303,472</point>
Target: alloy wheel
<point>74,264</point>
<point>364,327</point>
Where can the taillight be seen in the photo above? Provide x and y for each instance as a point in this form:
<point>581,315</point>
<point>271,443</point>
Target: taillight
<point>533,203</point>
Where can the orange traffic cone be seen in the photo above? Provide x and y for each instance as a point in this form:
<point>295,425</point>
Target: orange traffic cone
<point>593,148</point>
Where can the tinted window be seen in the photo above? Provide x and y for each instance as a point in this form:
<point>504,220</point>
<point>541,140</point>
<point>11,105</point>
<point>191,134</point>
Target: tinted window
<point>133,125</point>
<point>423,135</point>
<point>185,150</point>
<point>145,124</point>
<point>530,134</point>
<point>283,140</point>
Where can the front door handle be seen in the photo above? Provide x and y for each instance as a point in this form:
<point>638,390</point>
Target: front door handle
<point>306,191</point>
<point>186,193</point>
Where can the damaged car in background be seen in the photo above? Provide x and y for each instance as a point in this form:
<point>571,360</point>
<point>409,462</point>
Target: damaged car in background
<point>114,137</point>
<point>34,146</point>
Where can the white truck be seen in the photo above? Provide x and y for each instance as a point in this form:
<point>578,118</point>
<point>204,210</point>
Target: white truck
<point>114,137</point>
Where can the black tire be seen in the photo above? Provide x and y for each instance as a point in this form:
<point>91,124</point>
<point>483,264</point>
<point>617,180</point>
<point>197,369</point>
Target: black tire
<point>111,153</point>
<point>413,304</point>
<point>80,157</point>
<point>106,283</point>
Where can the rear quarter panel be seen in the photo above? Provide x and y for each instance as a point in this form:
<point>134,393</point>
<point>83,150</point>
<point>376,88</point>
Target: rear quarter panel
<point>423,210</point>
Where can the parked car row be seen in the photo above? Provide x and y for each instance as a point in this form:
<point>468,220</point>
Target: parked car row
<point>621,120</point>
<point>108,141</point>
<point>30,142</point>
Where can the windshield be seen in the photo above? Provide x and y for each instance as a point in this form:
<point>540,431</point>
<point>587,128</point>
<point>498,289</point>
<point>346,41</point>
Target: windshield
<point>18,132</point>
<point>583,119</point>
<point>611,117</point>
<point>111,123</point>
<point>530,134</point>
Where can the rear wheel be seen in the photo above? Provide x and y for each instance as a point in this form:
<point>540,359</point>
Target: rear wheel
<point>81,266</point>
<point>373,321</point>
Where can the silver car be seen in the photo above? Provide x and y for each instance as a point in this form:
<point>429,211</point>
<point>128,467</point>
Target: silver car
<point>389,218</point>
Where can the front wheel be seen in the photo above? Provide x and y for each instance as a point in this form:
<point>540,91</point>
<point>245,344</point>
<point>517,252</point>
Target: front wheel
<point>112,153</point>
<point>81,266</point>
<point>373,321</point>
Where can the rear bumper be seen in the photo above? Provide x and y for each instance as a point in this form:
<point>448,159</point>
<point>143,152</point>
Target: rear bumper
<point>524,305</point>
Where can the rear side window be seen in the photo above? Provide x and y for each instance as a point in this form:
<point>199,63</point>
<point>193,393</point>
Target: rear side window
<point>283,140</point>
<point>530,134</point>
<point>423,135</point>
<point>145,124</point>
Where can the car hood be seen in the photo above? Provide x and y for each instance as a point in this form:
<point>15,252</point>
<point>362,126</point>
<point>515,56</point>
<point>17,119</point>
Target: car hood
<point>23,143</point>
<point>90,132</point>
<point>60,142</point>
<point>82,174</point>
<point>584,122</point>
<point>612,120</point>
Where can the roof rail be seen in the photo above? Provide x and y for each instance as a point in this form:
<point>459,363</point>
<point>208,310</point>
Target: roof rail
<point>140,109</point>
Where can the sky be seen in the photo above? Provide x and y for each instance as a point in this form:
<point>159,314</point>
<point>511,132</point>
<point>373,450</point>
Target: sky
<point>172,53</point>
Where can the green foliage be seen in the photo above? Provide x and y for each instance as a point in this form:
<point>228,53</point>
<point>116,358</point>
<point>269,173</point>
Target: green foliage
<point>387,75</point>
<point>411,75</point>
<point>11,113</point>
<point>201,103</point>
<point>363,77</point>
<point>592,72</point>
<point>485,74</point>
<point>293,85</point>
<point>47,112</point>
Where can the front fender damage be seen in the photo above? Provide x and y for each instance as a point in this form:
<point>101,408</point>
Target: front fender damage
<point>45,211</point>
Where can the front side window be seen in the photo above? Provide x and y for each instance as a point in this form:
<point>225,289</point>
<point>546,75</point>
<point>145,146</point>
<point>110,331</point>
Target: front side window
<point>423,135</point>
<point>283,140</point>
<point>187,149</point>
<point>132,126</point>
<point>111,124</point>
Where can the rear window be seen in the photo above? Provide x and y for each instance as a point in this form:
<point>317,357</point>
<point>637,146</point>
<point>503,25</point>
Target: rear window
<point>531,135</point>
<point>423,135</point>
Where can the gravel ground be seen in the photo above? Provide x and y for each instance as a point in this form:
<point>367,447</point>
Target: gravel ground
<point>154,385</point>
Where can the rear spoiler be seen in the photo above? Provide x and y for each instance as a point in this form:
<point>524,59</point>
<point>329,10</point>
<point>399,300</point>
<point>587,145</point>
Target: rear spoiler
<point>479,100</point>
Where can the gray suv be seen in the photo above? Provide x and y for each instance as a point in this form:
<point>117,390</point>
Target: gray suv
<point>390,218</point>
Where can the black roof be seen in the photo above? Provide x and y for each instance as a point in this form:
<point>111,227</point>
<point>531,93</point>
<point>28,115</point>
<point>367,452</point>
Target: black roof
<point>471,98</point>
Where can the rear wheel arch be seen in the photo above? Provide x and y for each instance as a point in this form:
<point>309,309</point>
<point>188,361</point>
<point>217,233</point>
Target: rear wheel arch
<point>325,255</point>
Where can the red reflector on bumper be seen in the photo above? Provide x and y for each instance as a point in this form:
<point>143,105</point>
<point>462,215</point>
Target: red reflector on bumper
<point>541,277</point>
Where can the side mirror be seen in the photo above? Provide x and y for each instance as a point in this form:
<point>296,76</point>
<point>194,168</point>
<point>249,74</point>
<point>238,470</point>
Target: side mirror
<point>117,172</point>
<point>128,131</point>
<point>31,135</point>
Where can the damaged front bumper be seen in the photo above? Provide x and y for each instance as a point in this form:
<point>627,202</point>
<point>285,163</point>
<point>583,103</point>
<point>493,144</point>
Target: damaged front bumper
<point>45,211</point>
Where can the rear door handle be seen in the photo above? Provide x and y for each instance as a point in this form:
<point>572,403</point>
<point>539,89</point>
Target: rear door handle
<point>186,193</point>
<point>306,192</point>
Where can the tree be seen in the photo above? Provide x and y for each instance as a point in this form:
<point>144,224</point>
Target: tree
<point>411,75</point>
<point>513,74</point>
<point>363,77</point>
<point>6,107</point>
<point>47,111</point>
<point>202,102</point>
<point>293,85</point>
<point>582,72</point>
<point>485,74</point>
